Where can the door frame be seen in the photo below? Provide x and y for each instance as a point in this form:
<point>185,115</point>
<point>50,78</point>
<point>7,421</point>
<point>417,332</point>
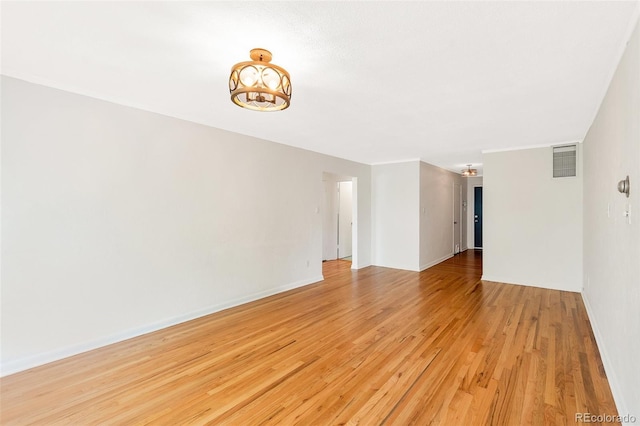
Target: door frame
<point>474,216</point>
<point>335,178</point>
<point>350,233</point>
<point>457,222</point>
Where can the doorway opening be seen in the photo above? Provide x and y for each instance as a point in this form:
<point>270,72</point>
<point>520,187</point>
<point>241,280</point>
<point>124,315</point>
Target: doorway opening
<point>457,218</point>
<point>345,220</point>
<point>339,224</point>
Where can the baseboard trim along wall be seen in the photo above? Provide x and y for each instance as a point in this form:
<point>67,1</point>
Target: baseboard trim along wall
<point>435,262</point>
<point>506,280</point>
<point>606,361</point>
<point>18,365</point>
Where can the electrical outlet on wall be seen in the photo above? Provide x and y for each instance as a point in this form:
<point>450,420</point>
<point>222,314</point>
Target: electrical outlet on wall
<point>627,213</point>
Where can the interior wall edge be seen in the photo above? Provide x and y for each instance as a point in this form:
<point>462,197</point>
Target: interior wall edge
<point>435,262</point>
<point>509,281</point>
<point>614,382</point>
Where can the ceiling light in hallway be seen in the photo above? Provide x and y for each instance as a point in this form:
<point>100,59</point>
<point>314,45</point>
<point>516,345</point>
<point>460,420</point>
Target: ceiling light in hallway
<point>468,172</point>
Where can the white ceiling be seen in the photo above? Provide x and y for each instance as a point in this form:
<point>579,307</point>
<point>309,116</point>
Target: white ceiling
<point>373,82</point>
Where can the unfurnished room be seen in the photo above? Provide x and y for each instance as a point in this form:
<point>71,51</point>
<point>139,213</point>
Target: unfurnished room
<point>320,213</point>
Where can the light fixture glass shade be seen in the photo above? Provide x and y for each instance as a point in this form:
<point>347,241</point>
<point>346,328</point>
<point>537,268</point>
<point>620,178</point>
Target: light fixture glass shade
<point>468,172</point>
<point>259,85</point>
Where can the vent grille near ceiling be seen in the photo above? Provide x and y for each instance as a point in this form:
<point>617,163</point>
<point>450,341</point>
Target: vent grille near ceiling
<point>564,161</point>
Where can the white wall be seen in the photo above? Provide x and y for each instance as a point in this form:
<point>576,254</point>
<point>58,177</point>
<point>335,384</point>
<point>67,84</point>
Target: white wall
<point>532,224</point>
<point>395,206</point>
<point>345,224</point>
<point>611,243</point>
<point>117,221</point>
<point>436,214</point>
<point>330,216</point>
<point>472,182</point>
<point>412,213</point>
<point>330,221</point>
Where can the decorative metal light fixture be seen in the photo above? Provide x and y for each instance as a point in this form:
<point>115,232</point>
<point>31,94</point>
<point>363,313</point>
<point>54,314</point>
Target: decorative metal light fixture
<point>468,172</point>
<point>260,85</point>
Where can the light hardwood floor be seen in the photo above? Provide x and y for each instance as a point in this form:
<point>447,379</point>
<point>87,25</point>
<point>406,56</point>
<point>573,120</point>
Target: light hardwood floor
<point>374,346</point>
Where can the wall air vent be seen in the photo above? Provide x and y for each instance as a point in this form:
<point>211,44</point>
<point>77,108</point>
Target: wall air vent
<point>564,161</point>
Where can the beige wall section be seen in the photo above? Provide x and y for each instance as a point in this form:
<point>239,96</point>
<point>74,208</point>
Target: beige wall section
<point>395,205</point>
<point>611,243</point>
<point>436,214</point>
<point>117,221</point>
<point>532,230</point>
<point>472,183</point>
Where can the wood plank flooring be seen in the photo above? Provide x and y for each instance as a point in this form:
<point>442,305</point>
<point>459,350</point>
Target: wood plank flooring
<point>374,346</point>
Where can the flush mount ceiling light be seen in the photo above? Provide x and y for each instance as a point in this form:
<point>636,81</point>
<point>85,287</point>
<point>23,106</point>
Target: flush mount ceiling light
<point>468,172</point>
<point>259,85</point>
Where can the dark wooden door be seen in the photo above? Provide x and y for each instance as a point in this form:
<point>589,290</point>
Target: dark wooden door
<point>477,216</point>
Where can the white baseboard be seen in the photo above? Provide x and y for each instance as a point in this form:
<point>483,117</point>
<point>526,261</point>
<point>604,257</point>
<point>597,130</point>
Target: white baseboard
<point>15,366</point>
<point>396,266</point>
<point>507,280</point>
<point>606,362</point>
<point>435,262</point>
